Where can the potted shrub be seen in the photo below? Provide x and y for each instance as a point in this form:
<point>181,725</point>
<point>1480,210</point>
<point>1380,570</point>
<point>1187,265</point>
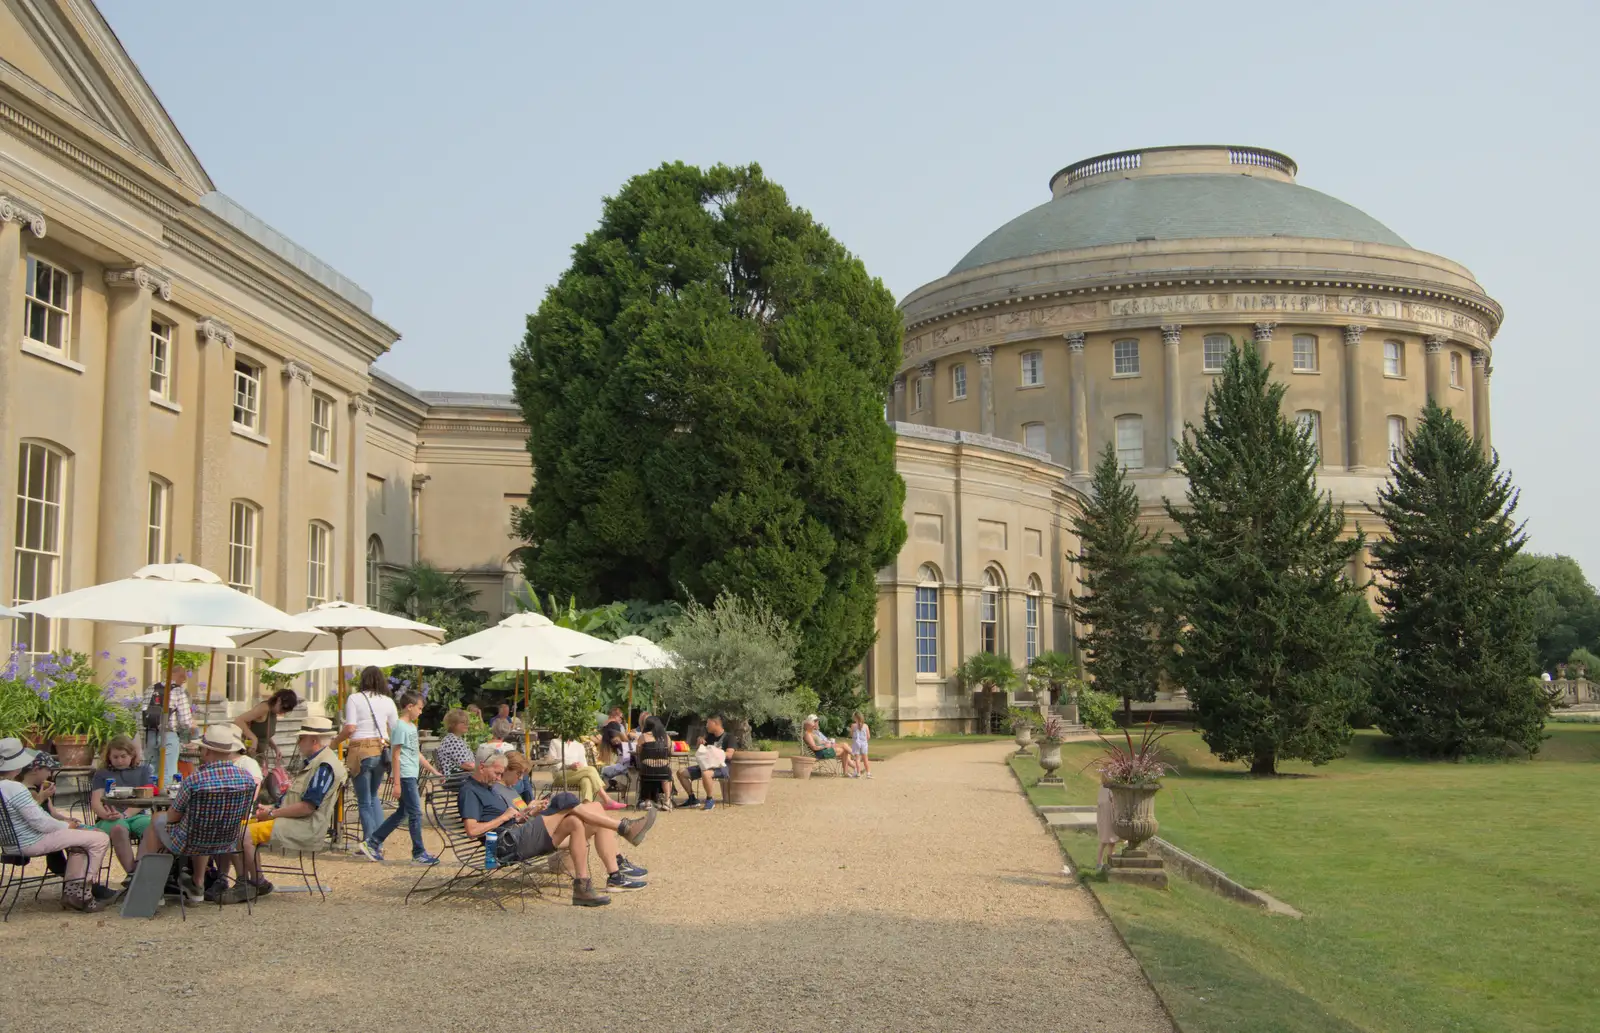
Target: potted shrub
<point>21,706</point>
<point>1057,674</point>
<point>566,705</point>
<point>1133,772</point>
<point>78,714</point>
<point>1051,737</point>
<point>985,675</point>
<point>734,658</point>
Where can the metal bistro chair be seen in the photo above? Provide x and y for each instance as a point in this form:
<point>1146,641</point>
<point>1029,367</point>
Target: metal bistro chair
<point>14,877</point>
<point>216,835</point>
<point>468,856</point>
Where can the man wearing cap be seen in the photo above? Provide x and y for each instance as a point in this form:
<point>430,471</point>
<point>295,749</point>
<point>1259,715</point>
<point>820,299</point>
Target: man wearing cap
<point>169,832</point>
<point>300,821</point>
<point>38,833</point>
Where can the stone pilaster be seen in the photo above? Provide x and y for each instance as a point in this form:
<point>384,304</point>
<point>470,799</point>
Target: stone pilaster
<point>1079,377</point>
<point>1353,375</point>
<point>897,408</point>
<point>294,441</point>
<point>985,389</point>
<point>355,518</point>
<point>124,467</point>
<point>1436,371</point>
<point>16,220</point>
<point>925,378</point>
<point>213,441</point>
<point>1171,333</point>
<point>1480,399</point>
<point>418,482</point>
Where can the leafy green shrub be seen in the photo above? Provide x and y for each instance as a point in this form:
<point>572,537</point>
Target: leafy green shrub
<point>565,703</point>
<point>1029,716</point>
<point>1097,710</point>
<point>734,658</point>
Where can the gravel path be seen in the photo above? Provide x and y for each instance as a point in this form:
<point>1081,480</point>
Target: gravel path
<point>928,898</point>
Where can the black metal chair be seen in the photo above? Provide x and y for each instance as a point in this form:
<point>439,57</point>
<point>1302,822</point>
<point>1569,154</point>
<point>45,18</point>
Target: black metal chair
<point>300,858</point>
<point>217,835</point>
<point>14,877</point>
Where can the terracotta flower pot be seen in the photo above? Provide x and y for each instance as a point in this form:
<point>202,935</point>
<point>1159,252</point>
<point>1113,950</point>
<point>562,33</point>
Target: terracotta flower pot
<point>749,775</point>
<point>73,751</point>
<point>803,766</point>
<point>1133,813</point>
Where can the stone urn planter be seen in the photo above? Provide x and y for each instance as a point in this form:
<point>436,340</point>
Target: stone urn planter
<point>1024,736</point>
<point>749,775</point>
<point>1050,760</point>
<point>803,766</point>
<point>1133,810</point>
<point>73,751</point>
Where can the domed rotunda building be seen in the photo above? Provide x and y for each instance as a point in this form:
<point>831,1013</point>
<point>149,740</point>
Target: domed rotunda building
<point>1102,316</point>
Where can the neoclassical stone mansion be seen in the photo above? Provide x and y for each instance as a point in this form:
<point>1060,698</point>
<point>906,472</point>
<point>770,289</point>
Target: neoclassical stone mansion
<point>179,378</point>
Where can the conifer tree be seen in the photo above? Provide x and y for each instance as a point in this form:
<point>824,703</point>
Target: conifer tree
<point>1121,648</point>
<point>1458,644</point>
<point>1273,650</point>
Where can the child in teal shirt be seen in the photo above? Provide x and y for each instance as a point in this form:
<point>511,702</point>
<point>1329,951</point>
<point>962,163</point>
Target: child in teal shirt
<point>408,764</point>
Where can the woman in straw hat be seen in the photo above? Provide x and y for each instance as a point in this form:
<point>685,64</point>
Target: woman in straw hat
<point>38,833</point>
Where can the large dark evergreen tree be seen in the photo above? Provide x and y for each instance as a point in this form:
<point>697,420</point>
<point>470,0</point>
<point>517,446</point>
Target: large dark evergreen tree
<point>1273,651</point>
<point>1458,647</point>
<point>704,393</point>
<point>1119,572</point>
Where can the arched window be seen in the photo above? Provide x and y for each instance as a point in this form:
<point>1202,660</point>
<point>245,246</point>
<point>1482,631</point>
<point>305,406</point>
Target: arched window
<point>1130,442</point>
<point>374,570</point>
<point>927,620</point>
<point>1032,602</point>
<point>989,612</point>
<point>41,523</point>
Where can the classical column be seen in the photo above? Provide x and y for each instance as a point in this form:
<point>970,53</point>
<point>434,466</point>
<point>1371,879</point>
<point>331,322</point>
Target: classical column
<point>1436,373</point>
<point>985,389</point>
<point>1080,404</point>
<point>124,468</point>
<point>897,409</point>
<point>1480,399</point>
<point>355,519</point>
<point>925,377</point>
<point>1263,336</point>
<point>1170,333</point>
<point>417,482</point>
<point>1352,397</point>
<point>15,218</point>
<point>294,451</point>
<point>212,442</point>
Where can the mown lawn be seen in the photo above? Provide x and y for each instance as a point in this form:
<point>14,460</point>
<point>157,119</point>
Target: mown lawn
<point>1437,896</point>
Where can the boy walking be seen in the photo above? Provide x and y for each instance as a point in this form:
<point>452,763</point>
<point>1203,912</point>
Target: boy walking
<point>408,764</point>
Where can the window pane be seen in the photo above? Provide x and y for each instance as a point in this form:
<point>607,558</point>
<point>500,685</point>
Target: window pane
<point>1125,357</point>
<point>1305,352</point>
<point>1397,436</point>
<point>1215,355</point>
<point>36,564</point>
<point>1130,442</point>
<point>1392,353</point>
<point>1032,368</point>
<point>927,630</point>
<point>959,375</point>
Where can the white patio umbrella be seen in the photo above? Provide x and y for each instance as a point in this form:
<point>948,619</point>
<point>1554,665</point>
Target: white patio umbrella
<point>341,624</point>
<point>533,638</point>
<point>411,656</point>
<point>168,595</point>
<point>213,639</point>
<point>7,613</point>
<point>629,653</point>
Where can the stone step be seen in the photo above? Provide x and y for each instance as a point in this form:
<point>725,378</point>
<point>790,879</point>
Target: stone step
<point>1071,819</point>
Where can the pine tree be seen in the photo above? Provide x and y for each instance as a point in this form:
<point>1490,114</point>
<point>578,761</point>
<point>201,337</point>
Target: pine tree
<point>1122,648</point>
<point>1274,653</point>
<point>1458,641</point>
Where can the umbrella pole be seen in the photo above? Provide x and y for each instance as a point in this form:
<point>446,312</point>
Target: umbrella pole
<point>339,693</point>
<point>628,717</point>
<point>211,670</point>
<point>166,707</point>
<point>527,703</point>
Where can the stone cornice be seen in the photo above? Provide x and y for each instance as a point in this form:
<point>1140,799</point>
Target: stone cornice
<point>141,277</point>
<point>14,210</point>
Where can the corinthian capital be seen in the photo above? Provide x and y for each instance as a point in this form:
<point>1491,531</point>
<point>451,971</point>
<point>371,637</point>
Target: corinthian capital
<point>1171,332</point>
<point>1352,334</point>
<point>985,355</point>
<point>142,278</point>
<point>1436,343</point>
<point>1075,342</point>
<point>1263,331</point>
<point>13,210</point>
<point>926,369</point>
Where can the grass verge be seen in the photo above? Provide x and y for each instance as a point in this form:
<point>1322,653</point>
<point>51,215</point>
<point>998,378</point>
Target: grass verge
<point>1437,896</point>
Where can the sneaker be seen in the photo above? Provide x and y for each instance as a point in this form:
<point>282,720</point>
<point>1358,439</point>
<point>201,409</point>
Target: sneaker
<point>869,774</point>
<point>710,803</point>
<point>692,801</point>
<point>263,887</point>
<point>628,867</point>
<point>619,881</point>
<point>635,829</point>
<point>105,892</point>
<point>371,851</point>
<point>238,893</point>
<point>193,898</point>
<point>425,858</point>
<point>585,895</point>
<point>614,805</point>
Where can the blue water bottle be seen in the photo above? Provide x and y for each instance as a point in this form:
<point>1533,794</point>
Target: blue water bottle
<point>491,842</point>
<point>111,784</point>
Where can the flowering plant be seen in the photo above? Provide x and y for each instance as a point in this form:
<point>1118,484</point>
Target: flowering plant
<point>1141,763</point>
<point>21,706</point>
<point>72,702</point>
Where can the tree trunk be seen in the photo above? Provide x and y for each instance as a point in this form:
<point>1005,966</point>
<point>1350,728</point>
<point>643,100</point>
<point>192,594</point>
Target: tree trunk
<point>1265,764</point>
<point>1127,711</point>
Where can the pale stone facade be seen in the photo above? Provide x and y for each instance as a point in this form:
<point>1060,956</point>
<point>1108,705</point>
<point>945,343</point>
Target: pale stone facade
<point>179,379</point>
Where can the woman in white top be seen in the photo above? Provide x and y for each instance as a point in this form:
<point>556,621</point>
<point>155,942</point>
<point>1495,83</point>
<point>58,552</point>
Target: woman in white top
<point>39,834</point>
<point>369,715</point>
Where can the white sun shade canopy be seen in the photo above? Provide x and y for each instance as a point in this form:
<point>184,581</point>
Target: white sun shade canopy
<point>350,624</point>
<point>628,653</point>
<point>410,656</point>
<point>164,594</point>
<point>199,638</point>
<point>526,634</point>
<point>7,613</point>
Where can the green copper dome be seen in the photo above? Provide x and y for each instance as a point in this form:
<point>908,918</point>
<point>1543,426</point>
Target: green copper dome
<point>1111,200</point>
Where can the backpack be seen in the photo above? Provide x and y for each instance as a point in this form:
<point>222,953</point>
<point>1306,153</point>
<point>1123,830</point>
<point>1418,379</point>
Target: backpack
<point>153,712</point>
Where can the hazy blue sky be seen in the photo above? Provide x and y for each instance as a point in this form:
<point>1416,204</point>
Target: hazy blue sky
<point>447,157</point>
